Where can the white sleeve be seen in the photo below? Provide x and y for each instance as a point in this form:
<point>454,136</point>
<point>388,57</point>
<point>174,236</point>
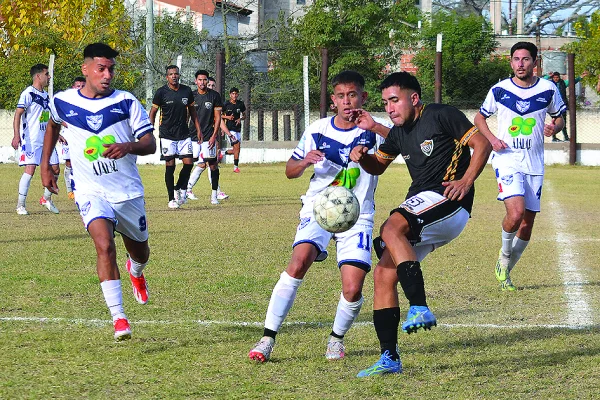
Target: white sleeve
<point>489,106</point>
<point>24,99</point>
<point>139,121</point>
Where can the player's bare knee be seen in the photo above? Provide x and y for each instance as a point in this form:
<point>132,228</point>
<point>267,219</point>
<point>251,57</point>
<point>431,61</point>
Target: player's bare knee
<point>352,291</point>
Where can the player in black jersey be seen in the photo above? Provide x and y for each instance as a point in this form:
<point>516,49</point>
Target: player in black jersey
<point>176,102</point>
<point>208,105</point>
<point>234,111</point>
<point>435,142</point>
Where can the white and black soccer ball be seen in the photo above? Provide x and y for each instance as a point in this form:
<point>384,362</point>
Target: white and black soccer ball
<point>336,209</point>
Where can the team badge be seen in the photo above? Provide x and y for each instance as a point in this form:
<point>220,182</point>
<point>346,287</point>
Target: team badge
<point>507,179</point>
<point>344,154</point>
<point>84,209</point>
<point>184,101</point>
<point>208,105</point>
<point>94,121</point>
<point>427,147</point>
<point>303,223</point>
<point>523,106</point>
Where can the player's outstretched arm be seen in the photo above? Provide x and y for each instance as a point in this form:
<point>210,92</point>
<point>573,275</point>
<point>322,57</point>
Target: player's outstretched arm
<point>481,124</point>
<point>295,168</point>
<point>456,190</point>
<point>371,163</point>
<point>50,139</point>
<point>144,146</point>
<point>365,121</point>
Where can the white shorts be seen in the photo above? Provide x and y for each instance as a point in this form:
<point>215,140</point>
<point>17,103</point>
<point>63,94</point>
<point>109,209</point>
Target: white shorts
<point>434,221</point>
<point>512,183</point>
<point>202,153</point>
<point>353,246</point>
<point>170,149</point>
<point>64,152</point>
<point>236,137</point>
<point>128,217</point>
<point>35,157</point>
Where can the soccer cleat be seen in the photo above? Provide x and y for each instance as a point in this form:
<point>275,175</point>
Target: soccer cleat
<point>182,196</point>
<point>71,196</point>
<point>236,170</point>
<point>173,204</point>
<point>501,267</point>
<point>222,196</point>
<point>140,287</point>
<point>190,195</point>
<point>385,365</point>
<point>507,285</point>
<point>122,329</point>
<point>214,200</point>
<point>22,211</point>
<point>418,317</point>
<point>177,195</point>
<point>49,205</point>
<point>335,349</point>
<point>262,350</point>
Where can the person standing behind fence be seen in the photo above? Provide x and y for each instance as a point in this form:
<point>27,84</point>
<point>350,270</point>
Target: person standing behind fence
<point>562,89</point>
<point>522,103</point>
<point>78,83</point>
<point>29,125</point>
<point>107,130</point>
<point>208,105</point>
<point>234,112</point>
<point>176,102</point>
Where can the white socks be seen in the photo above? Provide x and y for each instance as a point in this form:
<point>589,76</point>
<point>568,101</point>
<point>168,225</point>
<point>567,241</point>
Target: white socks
<point>194,176</point>
<point>517,250</point>
<point>114,298</point>
<point>137,269</point>
<point>24,184</point>
<point>507,242</point>
<point>345,315</point>
<point>281,301</point>
<point>67,177</point>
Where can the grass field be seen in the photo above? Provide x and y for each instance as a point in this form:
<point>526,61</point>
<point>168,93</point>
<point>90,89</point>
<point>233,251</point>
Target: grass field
<point>211,274</point>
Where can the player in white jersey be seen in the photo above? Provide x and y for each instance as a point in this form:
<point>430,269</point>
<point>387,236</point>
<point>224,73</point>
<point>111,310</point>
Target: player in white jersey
<point>78,83</point>
<point>107,130</point>
<point>326,145</point>
<point>29,125</point>
<point>522,103</point>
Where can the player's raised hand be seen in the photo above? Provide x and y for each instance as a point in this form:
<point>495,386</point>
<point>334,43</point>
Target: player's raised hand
<point>358,153</point>
<point>361,118</point>
<point>314,156</point>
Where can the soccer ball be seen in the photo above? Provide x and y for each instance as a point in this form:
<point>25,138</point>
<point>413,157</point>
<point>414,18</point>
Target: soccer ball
<point>336,209</point>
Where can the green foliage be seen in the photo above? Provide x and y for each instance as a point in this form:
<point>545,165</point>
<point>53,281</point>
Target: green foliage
<point>365,36</point>
<point>468,67</point>
<point>587,50</point>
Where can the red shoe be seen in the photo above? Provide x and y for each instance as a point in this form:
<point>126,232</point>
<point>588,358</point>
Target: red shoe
<point>236,170</point>
<point>122,329</point>
<point>140,288</point>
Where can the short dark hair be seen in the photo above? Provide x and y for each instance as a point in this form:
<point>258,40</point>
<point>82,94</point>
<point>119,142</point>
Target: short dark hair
<point>403,80</point>
<point>78,79</point>
<point>211,79</point>
<point>234,90</point>
<point>530,47</point>
<point>348,77</point>
<point>556,74</point>
<point>37,68</point>
<point>202,72</point>
<point>99,50</point>
<point>168,67</point>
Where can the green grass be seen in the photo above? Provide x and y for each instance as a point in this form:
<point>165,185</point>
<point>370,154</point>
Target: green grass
<point>219,265</point>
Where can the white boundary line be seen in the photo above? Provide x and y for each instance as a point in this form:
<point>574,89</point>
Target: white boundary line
<point>579,312</point>
<point>102,322</point>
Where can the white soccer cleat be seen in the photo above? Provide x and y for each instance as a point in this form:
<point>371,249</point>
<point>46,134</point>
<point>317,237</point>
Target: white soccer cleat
<point>222,196</point>
<point>190,195</point>
<point>214,200</point>
<point>49,205</point>
<point>335,349</point>
<point>173,204</point>
<point>22,211</point>
<point>262,350</point>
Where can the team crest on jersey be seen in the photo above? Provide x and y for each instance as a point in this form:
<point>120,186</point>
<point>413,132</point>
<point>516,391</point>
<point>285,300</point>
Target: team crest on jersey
<point>344,154</point>
<point>94,121</point>
<point>427,147</point>
<point>184,101</point>
<point>523,106</point>
<point>208,105</point>
<point>507,179</point>
<point>84,209</point>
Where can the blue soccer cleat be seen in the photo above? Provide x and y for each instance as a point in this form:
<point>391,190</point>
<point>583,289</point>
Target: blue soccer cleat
<point>385,365</point>
<point>418,317</point>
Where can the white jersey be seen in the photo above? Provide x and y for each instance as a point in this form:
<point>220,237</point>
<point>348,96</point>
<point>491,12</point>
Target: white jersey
<point>34,119</point>
<point>337,168</point>
<point>118,118</point>
<point>521,118</point>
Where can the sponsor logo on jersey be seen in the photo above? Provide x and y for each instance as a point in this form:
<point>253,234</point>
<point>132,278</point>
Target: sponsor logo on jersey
<point>505,97</point>
<point>71,113</point>
<point>523,106</point>
<point>541,100</point>
<point>406,157</point>
<point>427,147</point>
<point>208,105</point>
<point>116,111</point>
<point>324,146</point>
<point>184,100</point>
<point>94,121</point>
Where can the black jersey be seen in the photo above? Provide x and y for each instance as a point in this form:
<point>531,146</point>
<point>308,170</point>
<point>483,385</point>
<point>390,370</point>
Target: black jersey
<point>206,104</point>
<point>173,111</point>
<point>236,110</point>
<point>434,148</point>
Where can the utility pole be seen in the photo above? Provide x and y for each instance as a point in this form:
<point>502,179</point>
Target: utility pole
<point>149,51</point>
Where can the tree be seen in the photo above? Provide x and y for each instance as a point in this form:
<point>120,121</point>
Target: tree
<point>468,67</point>
<point>587,50</point>
<point>358,35</point>
<point>31,30</point>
